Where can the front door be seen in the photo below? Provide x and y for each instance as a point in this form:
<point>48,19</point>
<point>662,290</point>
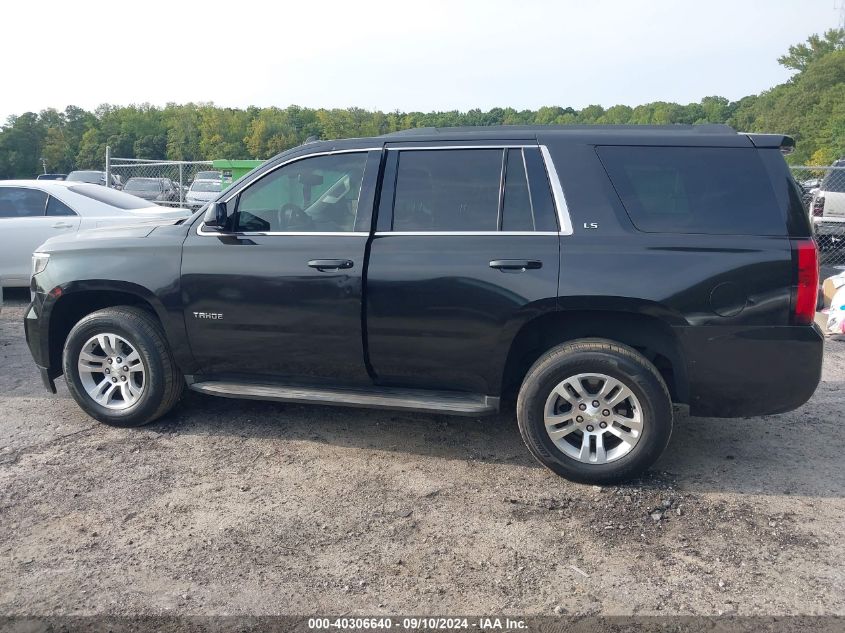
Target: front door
<point>279,294</point>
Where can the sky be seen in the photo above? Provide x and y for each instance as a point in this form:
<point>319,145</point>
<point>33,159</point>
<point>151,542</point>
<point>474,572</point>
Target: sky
<point>396,55</point>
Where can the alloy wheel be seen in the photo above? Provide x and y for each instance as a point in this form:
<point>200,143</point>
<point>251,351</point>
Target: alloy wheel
<point>593,418</point>
<point>111,371</point>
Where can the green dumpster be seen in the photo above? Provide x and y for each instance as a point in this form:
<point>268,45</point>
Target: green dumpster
<point>234,169</point>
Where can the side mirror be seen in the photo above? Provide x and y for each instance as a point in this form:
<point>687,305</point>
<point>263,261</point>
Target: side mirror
<point>216,216</point>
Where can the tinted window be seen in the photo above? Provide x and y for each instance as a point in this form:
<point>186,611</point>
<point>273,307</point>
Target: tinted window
<point>448,190</point>
<point>694,190</point>
<point>318,194</point>
<point>19,202</point>
<point>110,197</point>
<point>545,212</point>
<point>516,212</point>
<point>57,207</point>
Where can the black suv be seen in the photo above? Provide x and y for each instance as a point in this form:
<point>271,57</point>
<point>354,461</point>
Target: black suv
<point>592,275</point>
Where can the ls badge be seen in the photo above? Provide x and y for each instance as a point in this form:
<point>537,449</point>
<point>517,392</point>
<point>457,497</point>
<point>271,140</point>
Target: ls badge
<point>591,225</point>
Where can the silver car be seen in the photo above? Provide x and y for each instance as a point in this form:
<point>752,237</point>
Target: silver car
<point>202,191</point>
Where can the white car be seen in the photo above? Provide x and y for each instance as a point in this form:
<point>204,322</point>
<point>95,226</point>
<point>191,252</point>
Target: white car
<point>827,208</point>
<point>32,211</point>
<point>203,191</point>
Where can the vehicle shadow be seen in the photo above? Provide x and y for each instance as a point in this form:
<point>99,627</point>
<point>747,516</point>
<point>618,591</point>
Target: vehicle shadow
<point>798,453</point>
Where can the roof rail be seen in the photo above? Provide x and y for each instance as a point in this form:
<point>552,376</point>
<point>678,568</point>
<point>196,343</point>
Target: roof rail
<point>702,128</point>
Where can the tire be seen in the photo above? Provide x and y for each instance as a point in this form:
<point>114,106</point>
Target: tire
<point>637,427</point>
<point>154,382</point>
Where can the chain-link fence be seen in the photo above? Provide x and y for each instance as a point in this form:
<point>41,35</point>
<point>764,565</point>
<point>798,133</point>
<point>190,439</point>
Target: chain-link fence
<point>824,198</point>
<point>167,183</point>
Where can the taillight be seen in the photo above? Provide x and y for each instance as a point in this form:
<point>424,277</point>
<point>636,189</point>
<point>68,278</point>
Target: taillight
<point>806,291</point>
<point>818,207</point>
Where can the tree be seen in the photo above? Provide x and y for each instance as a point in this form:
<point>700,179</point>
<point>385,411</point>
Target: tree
<point>20,147</point>
<point>810,107</point>
<point>817,46</point>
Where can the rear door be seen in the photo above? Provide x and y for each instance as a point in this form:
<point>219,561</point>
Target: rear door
<point>466,250</point>
<point>28,217</point>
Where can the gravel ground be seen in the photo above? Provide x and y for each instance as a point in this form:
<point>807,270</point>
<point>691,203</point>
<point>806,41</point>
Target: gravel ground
<point>242,507</point>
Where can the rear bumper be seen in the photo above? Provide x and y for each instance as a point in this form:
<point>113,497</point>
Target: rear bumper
<point>749,371</point>
<point>832,228</point>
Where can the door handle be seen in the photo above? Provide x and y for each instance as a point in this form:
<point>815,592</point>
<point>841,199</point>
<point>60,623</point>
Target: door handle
<point>62,225</point>
<point>516,265</point>
<point>331,264</point>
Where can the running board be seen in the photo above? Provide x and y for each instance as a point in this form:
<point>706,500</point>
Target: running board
<point>448,402</point>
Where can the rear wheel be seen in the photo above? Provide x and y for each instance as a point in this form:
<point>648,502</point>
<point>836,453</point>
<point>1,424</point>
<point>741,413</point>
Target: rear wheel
<point>595,411</point>
<point>119,368</point>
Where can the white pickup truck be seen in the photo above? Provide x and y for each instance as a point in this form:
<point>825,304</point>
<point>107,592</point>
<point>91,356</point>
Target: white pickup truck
<point>827,208</point>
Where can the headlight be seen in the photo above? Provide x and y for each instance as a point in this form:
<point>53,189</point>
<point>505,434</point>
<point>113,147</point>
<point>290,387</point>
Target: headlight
<point>39,262</point>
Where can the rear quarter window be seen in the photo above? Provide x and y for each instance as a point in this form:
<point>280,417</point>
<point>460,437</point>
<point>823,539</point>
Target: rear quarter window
<point>710,190</point>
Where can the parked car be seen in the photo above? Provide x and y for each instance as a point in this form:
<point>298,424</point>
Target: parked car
<point>153,189</point>
<point>209,175</point>
<point>592,275</point>
<point>806,194</point>
<point>808,184</point>
<point>203,191</point>
<point>51,176</point>
<point>31,211</point>
<point>95,178</point>
<point>827,208</point>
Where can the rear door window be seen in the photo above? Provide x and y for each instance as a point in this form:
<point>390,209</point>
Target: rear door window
<point>545,214</point>
<point>694,189</point>
<point>448,190</point>
<point>516,208</point>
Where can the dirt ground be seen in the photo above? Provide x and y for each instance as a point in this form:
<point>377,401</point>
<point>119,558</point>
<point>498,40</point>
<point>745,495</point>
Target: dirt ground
<point>238,507</point>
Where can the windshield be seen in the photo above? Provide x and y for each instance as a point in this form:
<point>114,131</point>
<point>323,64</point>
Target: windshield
<point>208,175</point>
<point>834,181</point>
<point>143,184</point>
<point>207,186</point>
<point>110,197</point>
<point>86,176</point>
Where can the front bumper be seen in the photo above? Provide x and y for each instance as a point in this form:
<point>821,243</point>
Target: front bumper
<point>36,340</point>
<point>750,371</point>
<point>46,380</point>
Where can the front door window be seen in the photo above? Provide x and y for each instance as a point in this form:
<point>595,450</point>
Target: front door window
<point>314,195</point>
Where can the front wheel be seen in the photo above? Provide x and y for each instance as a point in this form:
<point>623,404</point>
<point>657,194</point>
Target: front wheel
<point>595,411</point>
<point>119,368</point>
